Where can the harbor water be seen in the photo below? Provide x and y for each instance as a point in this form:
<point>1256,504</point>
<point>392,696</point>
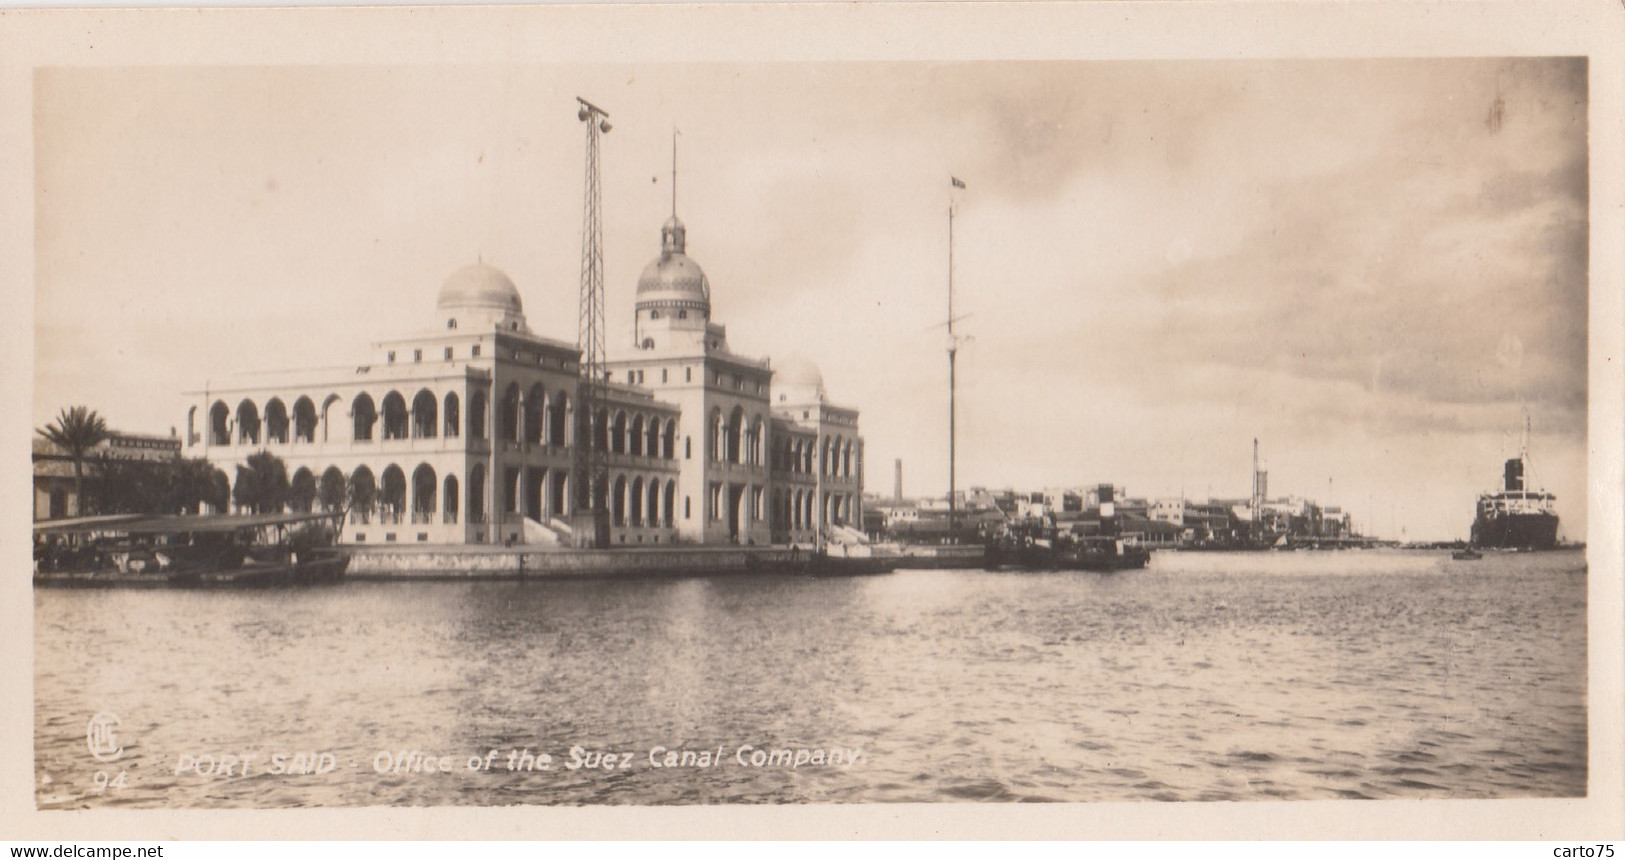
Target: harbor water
<point>1374,674</point>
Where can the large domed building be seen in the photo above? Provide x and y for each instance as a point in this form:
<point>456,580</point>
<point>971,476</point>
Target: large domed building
<point>467,431</point>
<point>773,462</point>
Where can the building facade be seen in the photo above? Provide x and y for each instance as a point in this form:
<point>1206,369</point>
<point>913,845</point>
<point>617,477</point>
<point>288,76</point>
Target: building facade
<point>467,432</point>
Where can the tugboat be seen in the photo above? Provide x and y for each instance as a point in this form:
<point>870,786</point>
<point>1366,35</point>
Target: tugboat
<point>1516,517</point>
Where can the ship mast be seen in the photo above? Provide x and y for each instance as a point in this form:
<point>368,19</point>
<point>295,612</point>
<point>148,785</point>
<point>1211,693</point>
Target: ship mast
<point>953,351</point>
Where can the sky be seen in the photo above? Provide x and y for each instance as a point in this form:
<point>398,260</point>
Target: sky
<point>1371,266</point>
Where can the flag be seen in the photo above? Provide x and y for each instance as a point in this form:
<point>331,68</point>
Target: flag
<point>956,182</point>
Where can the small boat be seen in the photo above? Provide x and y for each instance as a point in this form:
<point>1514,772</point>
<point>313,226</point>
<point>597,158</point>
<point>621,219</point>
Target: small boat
<point>1468,554</point>
<point>209,550</point>
<point>820,562</point>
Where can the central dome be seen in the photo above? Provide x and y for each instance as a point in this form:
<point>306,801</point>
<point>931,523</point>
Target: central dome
<point>482,287</point>
<point>673,279</point>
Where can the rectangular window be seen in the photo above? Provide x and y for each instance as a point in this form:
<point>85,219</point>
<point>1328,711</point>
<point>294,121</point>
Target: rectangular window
<point>448,353</point>
<point>640,377</point>
<point>688,374</point>
<point>475,351</point>
<point>756,505</point>
<point>714,506</point>
<point>687,515</point>
<point>392,356</point>
<point>631,377</point>
<point>663,375</point>
<point>417,355</point>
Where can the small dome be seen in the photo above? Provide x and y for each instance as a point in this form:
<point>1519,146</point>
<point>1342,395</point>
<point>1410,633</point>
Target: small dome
<point>797,379</point>
<point>480,286</point>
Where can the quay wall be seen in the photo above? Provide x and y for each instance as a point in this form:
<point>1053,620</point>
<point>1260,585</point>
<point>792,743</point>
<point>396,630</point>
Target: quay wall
<point>384,563</point>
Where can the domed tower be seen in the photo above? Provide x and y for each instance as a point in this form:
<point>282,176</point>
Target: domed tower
<point>481,298</point>
<point>674,296</point>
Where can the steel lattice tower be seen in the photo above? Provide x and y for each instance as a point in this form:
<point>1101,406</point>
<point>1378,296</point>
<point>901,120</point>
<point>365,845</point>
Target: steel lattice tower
<point>591,463</point>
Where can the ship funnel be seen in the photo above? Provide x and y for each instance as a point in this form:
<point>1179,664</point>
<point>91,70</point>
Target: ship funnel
<point>1514,476</point>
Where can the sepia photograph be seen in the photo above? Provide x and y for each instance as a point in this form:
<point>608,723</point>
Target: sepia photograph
<point>689,425</point>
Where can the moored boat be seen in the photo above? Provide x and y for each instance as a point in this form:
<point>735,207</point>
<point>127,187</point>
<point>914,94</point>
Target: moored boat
<point>188,550</point>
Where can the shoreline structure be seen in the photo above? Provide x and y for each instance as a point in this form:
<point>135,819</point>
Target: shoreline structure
<point>472,562</point>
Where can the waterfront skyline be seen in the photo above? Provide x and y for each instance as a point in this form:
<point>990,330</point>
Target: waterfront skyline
<point>1371,266</point>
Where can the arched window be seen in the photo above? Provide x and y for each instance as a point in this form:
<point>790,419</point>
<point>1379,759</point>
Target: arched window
<point>635,502</point>
<point>617,434</point>
<point>425,415</point>
<point>476,493</point>
<point>558,419</point>
<point>620,501</point>
<point>714,449</point>
<point>248,423</point>
<point>304,420</point>
<point>363,493</point>
<point>477,407</point>
<point>450,495</point>
<point>276,421</point>
<point>735,432</point>
<point>654,502</point>
<point>670,502</point>
<point>302,491</point>
<point>365,416</point>
<point>454,417</point>
<point>424,484</point>
<point>635,437</point>
<point>332,490</point>
<point>600,430</point>
<point>219,424</point>
<point>651,446</point>
<point>508,415</point>
<point>392,494</point>
<point>396,419</point>
<point>535,413</point>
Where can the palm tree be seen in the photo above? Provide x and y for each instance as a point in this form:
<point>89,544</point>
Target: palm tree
<point>77,430</point>
<point>262,485</point>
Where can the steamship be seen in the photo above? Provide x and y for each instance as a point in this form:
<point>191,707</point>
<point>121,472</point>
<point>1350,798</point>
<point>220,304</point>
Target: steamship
<point>1516,517</point>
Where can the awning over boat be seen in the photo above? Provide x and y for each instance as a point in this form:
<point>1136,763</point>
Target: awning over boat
<point>146,524</point>
<point>105,522</point>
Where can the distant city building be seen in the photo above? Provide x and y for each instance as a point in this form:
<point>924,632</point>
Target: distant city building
<point>54,496</point>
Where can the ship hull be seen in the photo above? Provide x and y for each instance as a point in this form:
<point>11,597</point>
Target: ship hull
<point>1516,531</point>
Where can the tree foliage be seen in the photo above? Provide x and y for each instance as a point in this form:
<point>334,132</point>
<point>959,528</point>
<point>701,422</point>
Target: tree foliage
<point>333,490</point>
<point>76,430</point>
<point>156,486</point>
<point>262,484</point>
